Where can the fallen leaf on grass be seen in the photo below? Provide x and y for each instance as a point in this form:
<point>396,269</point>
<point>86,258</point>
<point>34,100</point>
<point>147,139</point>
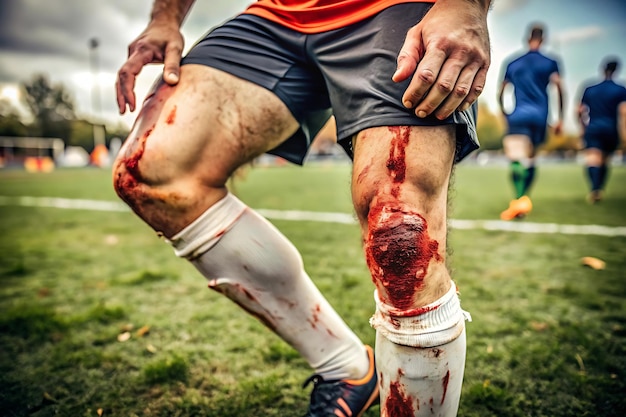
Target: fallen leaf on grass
<point>123,337</point>
<point>593,263</point>
<point>581,364</point>
<point>127,327</point>
<point>43,292</point>
<point>143,331</point>
<point>538,326</point>
<point>100,412</point>
<point>48,398</point>
<point>111,240</point>
<point>150,348</point>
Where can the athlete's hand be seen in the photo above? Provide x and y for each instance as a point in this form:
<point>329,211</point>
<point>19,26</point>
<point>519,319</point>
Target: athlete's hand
<point>160,42</point>
<point>446,56</point>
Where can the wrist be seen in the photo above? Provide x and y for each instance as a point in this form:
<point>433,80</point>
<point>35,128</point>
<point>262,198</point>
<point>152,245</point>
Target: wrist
<point>483,5</point>
<point>170,12</point>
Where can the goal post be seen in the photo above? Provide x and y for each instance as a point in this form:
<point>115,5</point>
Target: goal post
<point>33,153</point>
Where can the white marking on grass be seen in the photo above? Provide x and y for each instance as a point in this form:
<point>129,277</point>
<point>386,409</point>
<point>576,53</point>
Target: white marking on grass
<point>342,218</point>
<point>63,203</point>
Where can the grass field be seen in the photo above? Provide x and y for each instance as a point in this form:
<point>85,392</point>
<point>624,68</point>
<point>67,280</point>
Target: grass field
<point>548,336</point>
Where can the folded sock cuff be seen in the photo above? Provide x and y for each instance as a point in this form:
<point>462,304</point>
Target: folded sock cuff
<point>433,325</point>
<point>206,230</point>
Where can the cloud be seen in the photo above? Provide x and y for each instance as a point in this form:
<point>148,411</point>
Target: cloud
<point>584,33</point>
<point>508,6</point>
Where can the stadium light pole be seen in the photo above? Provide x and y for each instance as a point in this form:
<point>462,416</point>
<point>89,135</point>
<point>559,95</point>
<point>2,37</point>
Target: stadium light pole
<point>96,110</point>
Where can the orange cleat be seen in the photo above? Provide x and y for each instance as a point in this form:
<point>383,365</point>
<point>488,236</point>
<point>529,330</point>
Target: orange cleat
<point>594,197</point>
<point>518,209</point>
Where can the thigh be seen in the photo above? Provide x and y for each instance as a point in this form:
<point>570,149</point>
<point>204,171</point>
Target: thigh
<point>358,62</point>
<point>203,128</point>
<point>410,165</point>
<point>517,146</point>
<point>273,57</point>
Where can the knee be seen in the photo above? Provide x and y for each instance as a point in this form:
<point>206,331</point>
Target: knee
<point>128,177</point>
<point>400,252</point>
<point>142,181</point>
<point>424,189</point>
<point>127,180</point>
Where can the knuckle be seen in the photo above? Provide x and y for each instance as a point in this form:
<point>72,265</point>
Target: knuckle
<point>427,76</point>
<point>123,75</point>
<point>445,86</point>
<point>461,91</point>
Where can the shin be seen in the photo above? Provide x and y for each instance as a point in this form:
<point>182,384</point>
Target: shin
<point>248,260</point>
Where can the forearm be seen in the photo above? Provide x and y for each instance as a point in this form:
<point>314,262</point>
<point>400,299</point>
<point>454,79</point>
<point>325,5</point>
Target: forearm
<point>482,5</point>
<point>170,11</point>
<point>486,4</point>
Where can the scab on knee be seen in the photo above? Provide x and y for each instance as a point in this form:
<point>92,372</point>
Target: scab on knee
<point>399,251</point>
<point>127,175</point>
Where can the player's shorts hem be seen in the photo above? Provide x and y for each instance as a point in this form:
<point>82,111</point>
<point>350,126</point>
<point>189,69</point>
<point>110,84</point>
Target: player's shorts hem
<point>465,122</point>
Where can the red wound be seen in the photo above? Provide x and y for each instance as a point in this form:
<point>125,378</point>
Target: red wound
<point>396,164</point>
<point>398,252</point>
<point>398,246</point>
<point>171,118</point>
<point>132,162</point>
<point>397,405</point>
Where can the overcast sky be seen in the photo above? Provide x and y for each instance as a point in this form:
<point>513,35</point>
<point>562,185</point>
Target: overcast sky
<point>52,37</point>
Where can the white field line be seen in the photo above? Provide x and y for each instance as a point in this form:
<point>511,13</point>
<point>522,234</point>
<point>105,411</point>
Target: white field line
<point>325,217</point>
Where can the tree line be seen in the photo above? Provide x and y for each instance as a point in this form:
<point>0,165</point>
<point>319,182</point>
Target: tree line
<point>52,115</point>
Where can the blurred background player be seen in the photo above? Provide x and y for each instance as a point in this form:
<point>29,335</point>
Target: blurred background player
<point>602,116</point>
<point>530,76</point>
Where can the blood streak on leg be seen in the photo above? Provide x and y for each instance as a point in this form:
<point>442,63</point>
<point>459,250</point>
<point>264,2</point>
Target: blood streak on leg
<point>130,181</point>
<point>171,118</point>
<point>396,164</point>
<point>247,301</point>
<point>398,251</point>
<point>397,404</point>
<point>446,379</point>
<point>398,247</point>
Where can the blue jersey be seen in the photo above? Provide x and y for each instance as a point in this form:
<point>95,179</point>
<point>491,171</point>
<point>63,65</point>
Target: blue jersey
<point>602,101</point>
<point>530,75</point>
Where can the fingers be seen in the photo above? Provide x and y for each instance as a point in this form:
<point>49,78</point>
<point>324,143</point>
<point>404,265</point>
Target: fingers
<point>121,100</point>
<point>425,76</point>
<point>407,59</point>
<point>443,84</point>
<point>139,56</point>
<point>125,86</point>
<point>171,67</point>
<point>151,47</point>
<point>467,88</point>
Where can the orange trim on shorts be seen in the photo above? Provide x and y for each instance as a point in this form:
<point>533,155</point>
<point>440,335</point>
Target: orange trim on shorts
<point>316,16</point>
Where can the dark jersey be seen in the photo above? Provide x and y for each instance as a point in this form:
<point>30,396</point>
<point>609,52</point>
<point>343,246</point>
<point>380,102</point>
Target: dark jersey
<point>602,101</point>
<point>530,75</point>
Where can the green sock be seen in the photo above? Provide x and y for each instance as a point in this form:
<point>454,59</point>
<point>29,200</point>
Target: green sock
<point>518,175</point>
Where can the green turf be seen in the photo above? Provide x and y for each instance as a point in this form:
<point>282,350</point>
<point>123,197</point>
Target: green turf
<point>548,336</point>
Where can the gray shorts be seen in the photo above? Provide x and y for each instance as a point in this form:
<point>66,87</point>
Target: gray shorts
<point>346,72</point>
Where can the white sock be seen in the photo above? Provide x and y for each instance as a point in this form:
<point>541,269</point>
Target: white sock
<point>421,359</point>
<point>247,259</point>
